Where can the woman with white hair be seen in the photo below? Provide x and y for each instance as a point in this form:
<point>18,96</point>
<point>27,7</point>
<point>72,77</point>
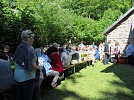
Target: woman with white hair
<point>25,66</point>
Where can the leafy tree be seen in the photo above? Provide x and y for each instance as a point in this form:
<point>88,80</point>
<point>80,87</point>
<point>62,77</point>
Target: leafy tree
<point>58,20</point>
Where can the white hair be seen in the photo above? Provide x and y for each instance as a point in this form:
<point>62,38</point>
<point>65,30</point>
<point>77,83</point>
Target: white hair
<point>27,33</point>
<point>37,51</point>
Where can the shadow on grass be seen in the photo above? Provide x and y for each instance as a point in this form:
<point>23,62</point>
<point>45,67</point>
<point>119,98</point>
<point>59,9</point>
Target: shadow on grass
<point>57,94</point>
<point>126,74</point>
<point>47,93</point>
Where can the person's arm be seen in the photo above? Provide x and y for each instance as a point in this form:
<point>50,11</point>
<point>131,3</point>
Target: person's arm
<point>35,67</point>
<point>109,48</point>
<point>70,56</point>
<point>48,59</point>
<point>119,48</point>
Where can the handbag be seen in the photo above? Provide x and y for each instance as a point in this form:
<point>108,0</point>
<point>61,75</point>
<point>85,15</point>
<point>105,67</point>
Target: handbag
<point>37,74</point>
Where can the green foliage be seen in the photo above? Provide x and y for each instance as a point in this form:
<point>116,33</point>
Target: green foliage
<point>58,20</point>
<point>95,8</point>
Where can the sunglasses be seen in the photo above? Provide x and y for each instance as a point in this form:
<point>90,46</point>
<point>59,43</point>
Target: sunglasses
<point>30,33</point>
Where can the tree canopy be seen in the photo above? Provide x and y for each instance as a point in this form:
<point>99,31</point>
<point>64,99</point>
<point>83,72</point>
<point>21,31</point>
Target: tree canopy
<point>58,20</point>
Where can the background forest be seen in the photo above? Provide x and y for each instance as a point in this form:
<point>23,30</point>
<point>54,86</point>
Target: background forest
<point>58,20</point>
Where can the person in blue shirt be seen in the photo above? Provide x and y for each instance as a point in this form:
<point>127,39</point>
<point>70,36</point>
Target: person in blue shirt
<point>81,45</point>
<point>97,55</point>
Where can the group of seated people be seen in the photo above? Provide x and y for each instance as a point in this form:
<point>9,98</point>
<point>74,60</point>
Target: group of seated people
<point>53,60</point>
<point>56,58</point>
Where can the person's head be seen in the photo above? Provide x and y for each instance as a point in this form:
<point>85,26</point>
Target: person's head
<point>73,48</point>
<point>42,49</point>
<point>68,48</point>
<point>81,41</point>
<point>54,50</point>
<point>37,51</point>
<point>116,43</point>
<point>6,48</point>
<point>109,41</point>
<point>27,36</point>
<point>56,45</point>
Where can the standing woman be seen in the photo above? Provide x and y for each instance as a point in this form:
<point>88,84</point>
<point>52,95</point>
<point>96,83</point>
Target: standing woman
<point>25,67</point>
<point>117,51</point>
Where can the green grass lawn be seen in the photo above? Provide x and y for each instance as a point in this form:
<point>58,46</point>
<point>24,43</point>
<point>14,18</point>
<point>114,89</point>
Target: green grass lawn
<point>101,82</point>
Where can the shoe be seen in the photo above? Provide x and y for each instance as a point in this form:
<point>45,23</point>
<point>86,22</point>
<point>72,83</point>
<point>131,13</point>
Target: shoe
<point>61,77</point>
<point>54,87</point>
<point>92,65</point>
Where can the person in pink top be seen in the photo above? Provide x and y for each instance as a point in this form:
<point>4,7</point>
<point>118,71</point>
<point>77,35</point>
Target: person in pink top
<point>117,51</point>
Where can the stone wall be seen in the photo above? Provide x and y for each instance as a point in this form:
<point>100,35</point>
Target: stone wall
<point>121,33</point>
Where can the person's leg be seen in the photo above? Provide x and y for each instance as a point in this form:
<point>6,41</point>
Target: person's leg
<point>93,60</point>
<point>36,92</point>
<point>61,76</point>
<point>128,58</point>
<point>100,56</point>
<point>116,57</point>
<point>131,59</point>
<point>28,87</point>
<point>19,95</point>
<point>56,76</point>
<point>105,59</point>
<point>108,58</point>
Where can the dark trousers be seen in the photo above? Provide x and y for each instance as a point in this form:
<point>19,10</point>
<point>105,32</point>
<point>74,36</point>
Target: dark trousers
<point>107,58</point>
<point>25,90</point>
<point>130,59</point>
<point>116,57</point>
<point>36,92</point>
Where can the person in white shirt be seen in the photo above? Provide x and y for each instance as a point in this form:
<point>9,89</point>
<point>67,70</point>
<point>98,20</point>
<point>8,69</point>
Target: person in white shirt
<point>91,53</point>
<point>101,51</point>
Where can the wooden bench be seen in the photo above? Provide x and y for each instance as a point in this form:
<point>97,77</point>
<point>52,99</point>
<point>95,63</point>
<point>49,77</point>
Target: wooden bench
<point>74,66</point>
<point>67,68</point>
<point>4,92</point>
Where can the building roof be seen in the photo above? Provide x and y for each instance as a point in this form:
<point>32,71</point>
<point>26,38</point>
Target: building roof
<point>115,24</point>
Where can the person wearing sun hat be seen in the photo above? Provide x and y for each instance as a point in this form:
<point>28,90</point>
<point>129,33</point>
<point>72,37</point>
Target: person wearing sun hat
<point>25,67</point>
